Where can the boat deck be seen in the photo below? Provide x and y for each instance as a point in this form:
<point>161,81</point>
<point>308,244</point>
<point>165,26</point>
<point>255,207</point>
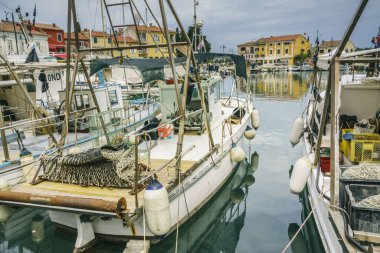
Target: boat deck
<point>112,194</point>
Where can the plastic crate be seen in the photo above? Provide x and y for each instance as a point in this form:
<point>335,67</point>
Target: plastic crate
<point>363,219</point>
<point>363,148</point>
<point>343,198</point>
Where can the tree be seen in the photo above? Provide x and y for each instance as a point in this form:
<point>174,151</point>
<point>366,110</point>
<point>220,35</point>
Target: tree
<point>190,32</point>
<point>300,58</point>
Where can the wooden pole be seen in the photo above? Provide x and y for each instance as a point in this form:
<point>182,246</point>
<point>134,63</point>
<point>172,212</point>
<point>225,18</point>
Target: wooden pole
<point>67,89</point>
<point>3,136</point>
<point>334,134</point>
<point>84,69</point>
<point>180,108</point>
<point>198,80</point>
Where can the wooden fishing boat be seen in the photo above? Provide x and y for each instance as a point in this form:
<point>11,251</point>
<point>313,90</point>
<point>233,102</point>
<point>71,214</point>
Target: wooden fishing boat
<point>338,149</point>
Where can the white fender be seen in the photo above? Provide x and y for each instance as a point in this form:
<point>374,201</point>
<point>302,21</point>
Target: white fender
<point>255,119</point>
<point>249,133</point>
<point>300,174</point>
<point>297,130</point>
<point>237,195</point>
<point>157,209</point>
<point>132,139</point>
<point>237,153</point>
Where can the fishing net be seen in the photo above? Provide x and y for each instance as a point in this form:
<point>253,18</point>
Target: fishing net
<point>101,167</point>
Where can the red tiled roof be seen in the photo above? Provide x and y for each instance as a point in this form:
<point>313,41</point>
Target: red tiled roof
<point>127,39</point>
<point>81,36</point>
<point>149,28</point>
<point>48,26</point>
<point>329,44</point>
<point>8,27</point>
<point>95,33</point>
<point>279,38</point>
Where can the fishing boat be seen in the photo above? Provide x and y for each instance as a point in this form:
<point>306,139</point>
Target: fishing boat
<point>340,166</point>
<point>144,187</point>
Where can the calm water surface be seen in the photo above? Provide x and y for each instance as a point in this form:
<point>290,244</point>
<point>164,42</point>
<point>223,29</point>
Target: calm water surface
<point>253,212</point>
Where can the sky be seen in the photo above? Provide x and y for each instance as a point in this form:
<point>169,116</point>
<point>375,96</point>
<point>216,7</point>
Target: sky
<point>227,23</point>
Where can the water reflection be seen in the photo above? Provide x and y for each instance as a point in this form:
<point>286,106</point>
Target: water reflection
<point>217,226</point>
<point>279,85</point>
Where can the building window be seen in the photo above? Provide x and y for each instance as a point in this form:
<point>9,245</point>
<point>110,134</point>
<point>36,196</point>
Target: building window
<point>251,49</point>
<point>59,37</point>
<point>242,49</point>
<point>113,97</point>
<point>278,51</point>
<point>321,51</point>
<point>302,42</point>
<point>132,50</point>
<point>302,51</point>
<point>329,50</point>
<point>270,44</point>
<point>156,37</point>
<point>287,43</point>
<point>278,44</point>
<point>256,49</point>
<point>270,52</point>
<point>109,40</point>
<point>95,40</point>
<point>286,50</point>
<point>142,37</point>
<point>10,45</point>
<point>38,44</point>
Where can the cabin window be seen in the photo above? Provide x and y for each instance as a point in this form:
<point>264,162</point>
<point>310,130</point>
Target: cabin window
<point>95,39</point>
<point>10,45</point>
<point>113,97</point>
<point>82,101</point>
<point>59,37</point>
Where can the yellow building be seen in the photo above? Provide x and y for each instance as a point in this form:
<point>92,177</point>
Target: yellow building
<point>98,39</point>
<point>275,49</point>
<point>149,35</point>
<point>329,46</point>
<point>124,41</point>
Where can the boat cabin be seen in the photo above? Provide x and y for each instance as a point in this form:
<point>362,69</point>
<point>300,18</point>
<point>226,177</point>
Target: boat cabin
<point>212,95</point>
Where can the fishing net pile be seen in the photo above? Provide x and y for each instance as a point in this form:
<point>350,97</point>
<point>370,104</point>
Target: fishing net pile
<point>102,167</point>
<point>362,171</point>
<point>370,202</point>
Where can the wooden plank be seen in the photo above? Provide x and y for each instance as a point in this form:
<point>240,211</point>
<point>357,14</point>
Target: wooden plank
<point>367,236</point>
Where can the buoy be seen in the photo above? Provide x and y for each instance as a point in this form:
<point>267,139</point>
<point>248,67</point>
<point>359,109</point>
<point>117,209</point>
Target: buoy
<point>38,229</point>
<point>157,210</point>
<point>297,130</point>
<point>249,133</point>
<point>74,150</point>
<point>4,185</point>
<point>300,174</point>
<point>237,153</point>
<point>249,180</point>
<point>237,195</point>
<point>254,161</point>
<point>132,139</point>
<point>255,119</point>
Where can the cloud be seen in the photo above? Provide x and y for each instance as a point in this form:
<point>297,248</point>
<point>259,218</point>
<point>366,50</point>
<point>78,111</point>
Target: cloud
<point>231,22</point>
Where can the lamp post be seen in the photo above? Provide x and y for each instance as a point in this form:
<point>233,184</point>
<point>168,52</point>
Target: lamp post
<point>14,27</point>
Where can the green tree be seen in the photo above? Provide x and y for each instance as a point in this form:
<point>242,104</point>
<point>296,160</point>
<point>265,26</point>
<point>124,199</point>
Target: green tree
<point>300,58</point>
<point>190,32</point>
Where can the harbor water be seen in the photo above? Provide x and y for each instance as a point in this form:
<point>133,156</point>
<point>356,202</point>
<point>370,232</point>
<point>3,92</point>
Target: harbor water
<point>253,212</point>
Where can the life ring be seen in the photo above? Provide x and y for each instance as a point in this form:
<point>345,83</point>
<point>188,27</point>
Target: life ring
<point>165,131</point>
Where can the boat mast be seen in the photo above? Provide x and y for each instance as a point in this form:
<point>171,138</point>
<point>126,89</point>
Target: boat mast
<point>332,90</point>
